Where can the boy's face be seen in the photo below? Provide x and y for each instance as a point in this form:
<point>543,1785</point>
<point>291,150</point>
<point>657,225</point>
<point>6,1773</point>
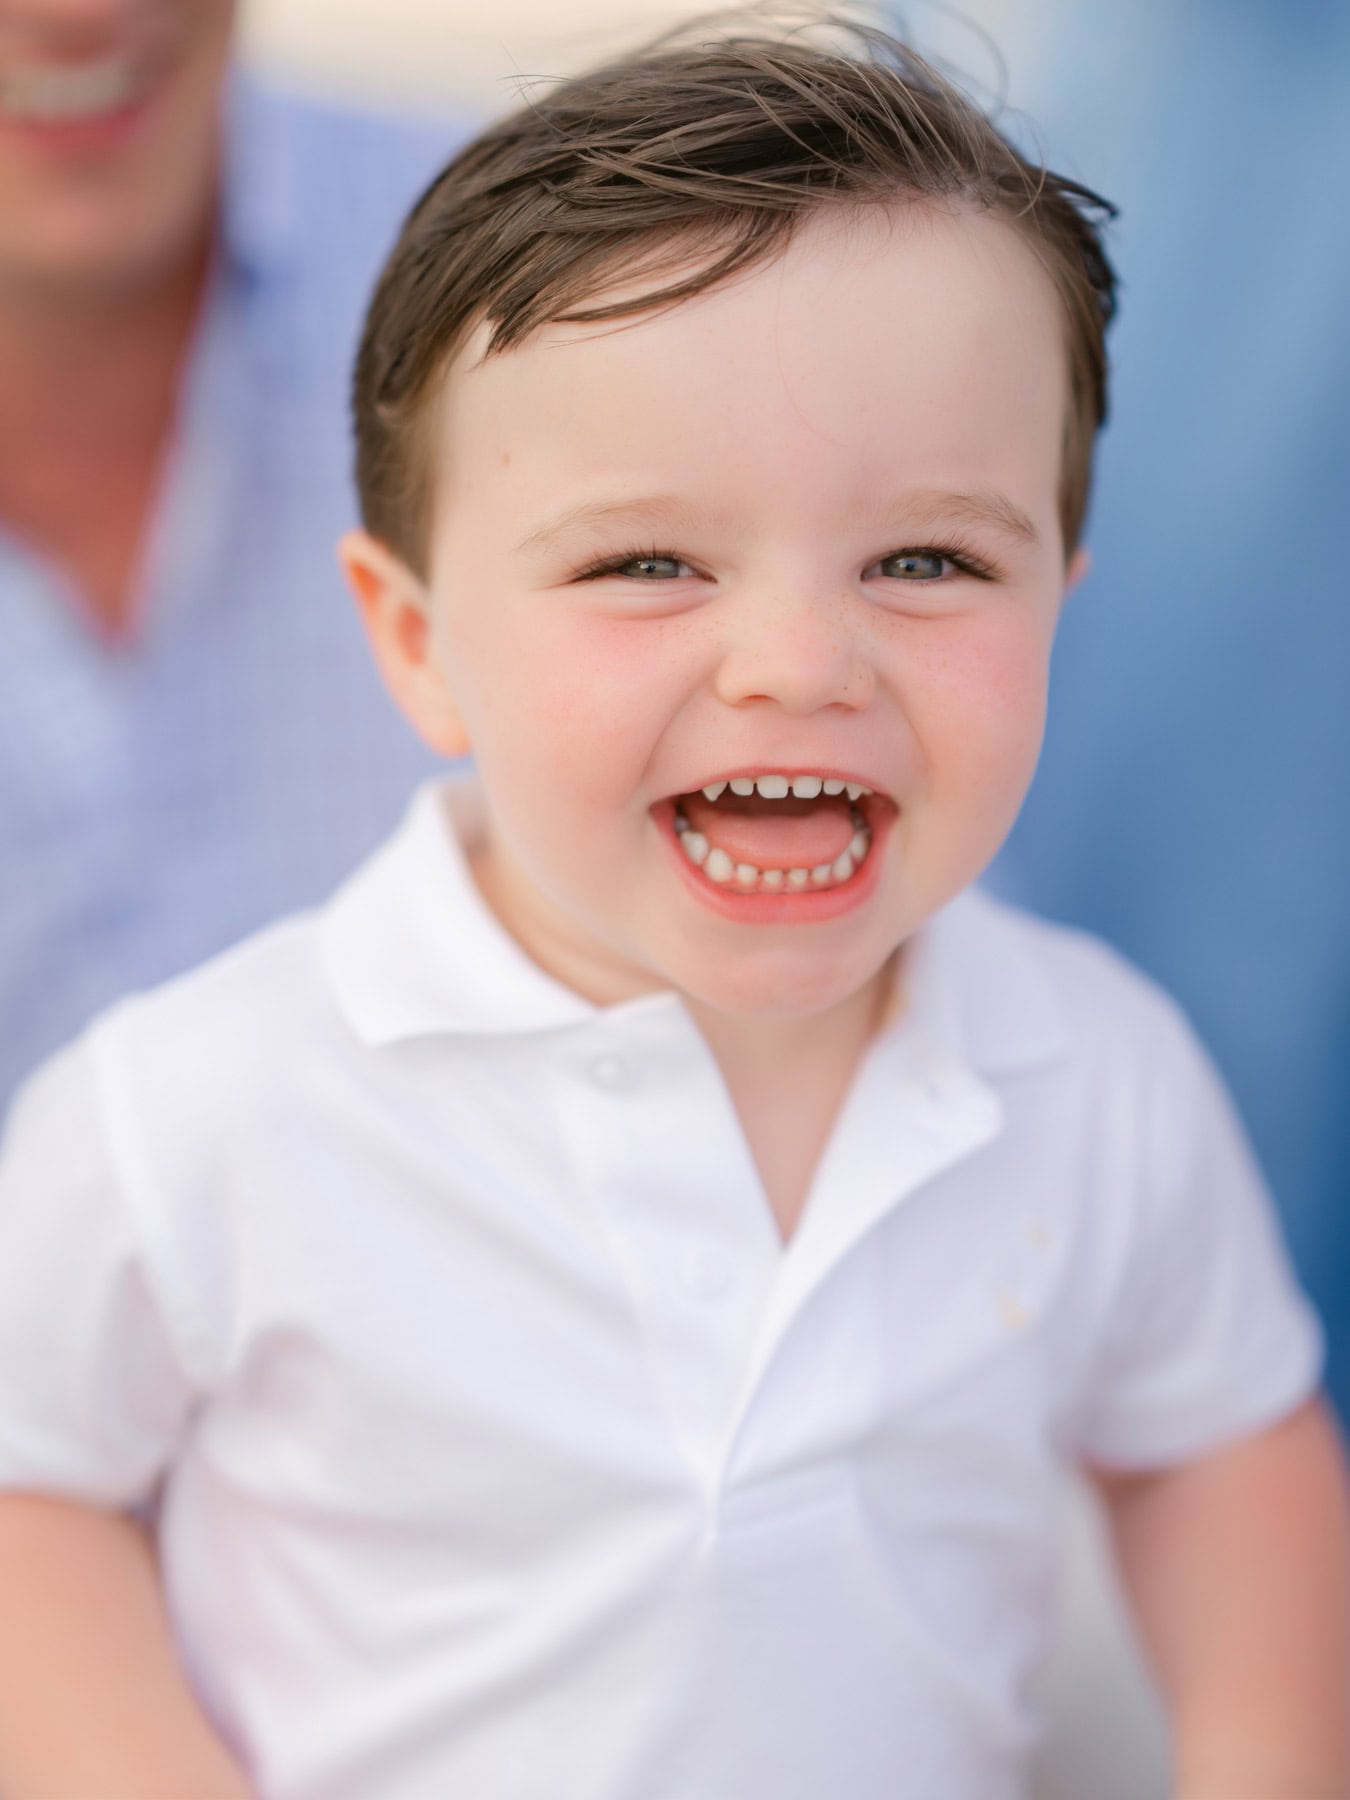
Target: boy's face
<point>804,525</point>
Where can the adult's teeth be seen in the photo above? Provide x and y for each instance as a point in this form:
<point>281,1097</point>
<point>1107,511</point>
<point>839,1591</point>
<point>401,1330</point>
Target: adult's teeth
<point>806,787</point>
<point>718,866</point>
<point>834,787</point>
<point>741,785</point>
<point>773,787</point>
<point>695,846</point>
<point>714,790</point>
<point>73,91</point>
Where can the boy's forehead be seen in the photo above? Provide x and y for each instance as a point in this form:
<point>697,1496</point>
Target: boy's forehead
<point>869,318</point>
<point>824,252</point>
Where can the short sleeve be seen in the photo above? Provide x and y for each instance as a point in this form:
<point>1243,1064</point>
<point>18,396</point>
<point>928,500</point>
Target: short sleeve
<point>94,1392</point>
<point>1209,1337</point>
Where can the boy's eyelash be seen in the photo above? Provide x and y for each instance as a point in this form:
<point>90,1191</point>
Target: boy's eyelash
<point>955,550</point>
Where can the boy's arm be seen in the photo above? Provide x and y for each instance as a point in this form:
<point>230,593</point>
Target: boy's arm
<point>1237,1565</point>
<point>93,1703</point>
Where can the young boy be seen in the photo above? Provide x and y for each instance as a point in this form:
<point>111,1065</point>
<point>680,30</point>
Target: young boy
<point>602,1307</point>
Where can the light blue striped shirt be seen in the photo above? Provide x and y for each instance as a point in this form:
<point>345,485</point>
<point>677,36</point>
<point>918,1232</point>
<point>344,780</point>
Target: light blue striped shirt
<point>158,801</point>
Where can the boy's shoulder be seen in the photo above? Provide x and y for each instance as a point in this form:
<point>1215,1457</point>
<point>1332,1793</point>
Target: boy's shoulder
<point>297,1015</point>
<point>226,1026</point>
<point>1025,982</point>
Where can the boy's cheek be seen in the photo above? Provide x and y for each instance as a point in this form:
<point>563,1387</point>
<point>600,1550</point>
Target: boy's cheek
<point>983,687</point>
<point>587,688</point>
<point>977,711</point>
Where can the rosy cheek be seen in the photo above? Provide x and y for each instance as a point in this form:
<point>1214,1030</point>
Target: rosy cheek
<point>586,695</point>
<point>975,695</point>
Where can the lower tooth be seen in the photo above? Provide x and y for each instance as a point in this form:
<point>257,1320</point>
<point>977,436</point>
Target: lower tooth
<point>718,865</point>
<point>822,873</point>
<point>747,874</point>
<point>842,867</point>
<point>798,878</point>
<point>771,878</point>
<point>859,845</point>
<point>694,845</point>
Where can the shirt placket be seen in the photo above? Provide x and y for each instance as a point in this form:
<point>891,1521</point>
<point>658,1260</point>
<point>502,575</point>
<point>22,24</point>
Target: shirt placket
<point>722,1309</point>
<point>667,1177</point>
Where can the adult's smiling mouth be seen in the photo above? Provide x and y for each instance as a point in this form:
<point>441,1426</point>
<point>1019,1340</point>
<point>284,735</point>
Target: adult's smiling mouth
<point>73,93</point>
<point>778,832</point>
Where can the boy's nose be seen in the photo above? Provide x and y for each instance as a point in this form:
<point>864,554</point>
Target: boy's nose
<point>801,652</point>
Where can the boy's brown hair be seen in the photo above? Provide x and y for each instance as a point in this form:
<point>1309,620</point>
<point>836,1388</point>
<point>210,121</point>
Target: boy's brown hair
<point>713,150</point>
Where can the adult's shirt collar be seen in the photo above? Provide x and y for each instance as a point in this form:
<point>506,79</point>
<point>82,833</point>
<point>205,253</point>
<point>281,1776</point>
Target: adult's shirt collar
<point>411,949</point>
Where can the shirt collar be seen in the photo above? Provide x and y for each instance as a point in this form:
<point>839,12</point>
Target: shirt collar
<point>411,949</point>
<point>979,973</point>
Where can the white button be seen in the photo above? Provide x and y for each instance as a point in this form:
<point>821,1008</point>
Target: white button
<point>613,1072</point>
<point>707,1273</point>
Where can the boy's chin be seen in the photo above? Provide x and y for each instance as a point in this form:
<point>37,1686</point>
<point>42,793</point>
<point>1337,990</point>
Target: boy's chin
<point>781,993</point>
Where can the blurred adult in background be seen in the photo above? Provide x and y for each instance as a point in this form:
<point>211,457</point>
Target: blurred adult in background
<point>1192,800</point>
<point>183,258</point>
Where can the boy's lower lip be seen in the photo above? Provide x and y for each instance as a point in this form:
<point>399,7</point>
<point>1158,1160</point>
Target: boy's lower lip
<point>803,907</point>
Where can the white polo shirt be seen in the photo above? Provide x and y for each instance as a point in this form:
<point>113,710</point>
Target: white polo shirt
<point>506,1452</point>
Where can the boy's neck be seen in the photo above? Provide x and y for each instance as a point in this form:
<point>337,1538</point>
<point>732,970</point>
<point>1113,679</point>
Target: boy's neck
<point>788,1080</point>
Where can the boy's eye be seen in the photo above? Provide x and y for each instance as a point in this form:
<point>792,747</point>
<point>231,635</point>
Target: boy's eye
<point>647,565</point>
<point>656,568</point>
<point>915,565</point>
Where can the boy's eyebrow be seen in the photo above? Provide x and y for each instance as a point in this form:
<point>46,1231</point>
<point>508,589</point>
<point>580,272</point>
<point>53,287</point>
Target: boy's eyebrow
<point>640,510</point>
<point>978,507</point>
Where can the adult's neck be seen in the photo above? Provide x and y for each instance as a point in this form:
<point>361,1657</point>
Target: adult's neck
<point>90,380</point>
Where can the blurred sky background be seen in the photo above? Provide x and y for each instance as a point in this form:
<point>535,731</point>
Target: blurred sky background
<point>1193,802</point>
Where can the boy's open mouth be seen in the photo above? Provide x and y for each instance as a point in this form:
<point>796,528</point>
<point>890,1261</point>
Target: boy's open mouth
<point>776,833</point>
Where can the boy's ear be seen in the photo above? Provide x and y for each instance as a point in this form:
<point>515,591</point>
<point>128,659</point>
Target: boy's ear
<point>395,610</point>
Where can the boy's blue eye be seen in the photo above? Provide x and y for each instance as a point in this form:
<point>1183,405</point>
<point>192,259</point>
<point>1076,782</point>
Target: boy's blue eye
<point>653,568</point>
<point>639,565</point>
<point>914,565</point>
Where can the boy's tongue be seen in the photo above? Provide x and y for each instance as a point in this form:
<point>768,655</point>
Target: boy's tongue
<point>773,834</point>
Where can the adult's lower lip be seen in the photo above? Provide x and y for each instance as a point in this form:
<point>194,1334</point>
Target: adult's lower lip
<point>798,907</point>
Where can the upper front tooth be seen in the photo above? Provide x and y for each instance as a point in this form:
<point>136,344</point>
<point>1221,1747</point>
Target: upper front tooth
<point>806,787</point>
<point>742,785</point>
<point>714,789</point>
<point>773,787</point>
